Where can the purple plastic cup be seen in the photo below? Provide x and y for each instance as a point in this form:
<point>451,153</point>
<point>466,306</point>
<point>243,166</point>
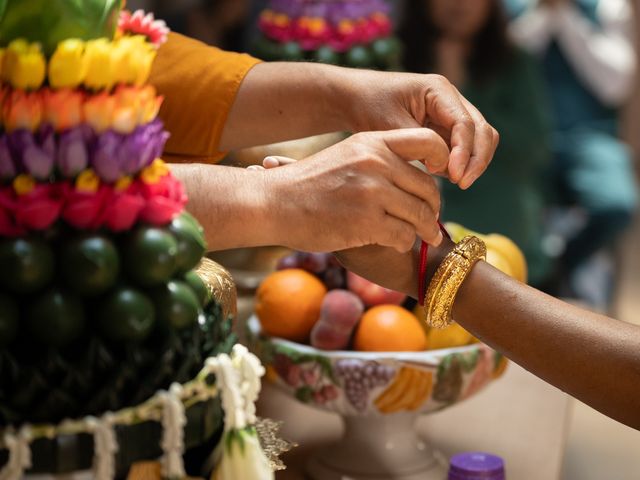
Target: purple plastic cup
<point>476,466</point>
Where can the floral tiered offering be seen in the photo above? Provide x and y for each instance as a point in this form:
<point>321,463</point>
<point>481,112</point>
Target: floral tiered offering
<point>81,140</point>
<point>106,326</point>
<point>356,33</point>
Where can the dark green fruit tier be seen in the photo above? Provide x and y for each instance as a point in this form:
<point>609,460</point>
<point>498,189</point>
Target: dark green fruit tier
<point>93,322</point>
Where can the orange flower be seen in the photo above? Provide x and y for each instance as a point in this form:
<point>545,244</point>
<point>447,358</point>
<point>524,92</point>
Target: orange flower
<point>62,108</point>
<point>22,110</point>
<point>98,111</point>
<point>128,107</point>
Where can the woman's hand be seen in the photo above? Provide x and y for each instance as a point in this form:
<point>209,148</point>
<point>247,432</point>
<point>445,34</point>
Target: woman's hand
<point>361,191</point>
<point>382,101</point>
<point>283,101</point>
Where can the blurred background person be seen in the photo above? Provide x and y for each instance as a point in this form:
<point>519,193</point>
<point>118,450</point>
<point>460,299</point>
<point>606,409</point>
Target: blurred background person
<point>467,42</point>
<point>586,51</point>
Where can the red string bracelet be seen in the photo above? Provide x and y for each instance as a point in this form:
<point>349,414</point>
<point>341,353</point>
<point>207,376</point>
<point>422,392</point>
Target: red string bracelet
<point>422,266</point>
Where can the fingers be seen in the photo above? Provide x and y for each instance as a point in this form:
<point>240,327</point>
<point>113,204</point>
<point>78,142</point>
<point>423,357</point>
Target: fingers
<point>484,146</point>
<point>417,183</point>
<point>397,234</point>
<point>444,107</point>
<point>419,144</point>
<point>273,161</point>
<point>416,212</point>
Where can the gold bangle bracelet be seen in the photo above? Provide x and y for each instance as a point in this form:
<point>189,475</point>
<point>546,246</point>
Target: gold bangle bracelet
<point>444,286</point>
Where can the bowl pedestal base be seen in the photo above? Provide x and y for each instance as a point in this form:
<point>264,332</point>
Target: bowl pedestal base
<point>376,448</point>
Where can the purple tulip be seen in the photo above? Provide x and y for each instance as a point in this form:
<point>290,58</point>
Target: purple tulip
<point>7,167</point>
<point>73,156</point>
<point>35,159</point>
<point>105,156</point>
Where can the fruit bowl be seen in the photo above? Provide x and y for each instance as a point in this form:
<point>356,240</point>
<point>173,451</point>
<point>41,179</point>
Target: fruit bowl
<point>379,395</point>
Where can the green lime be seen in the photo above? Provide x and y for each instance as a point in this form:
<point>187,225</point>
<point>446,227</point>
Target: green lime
<point>359,57</point>
<point>176,305</point>
<point>149,255</point>
<point>26,264</point>
<point>327,54</point>
<point>292,52</point>
<point>90,264</point>
<point>126,314</point>
<point>386,51</point>
<point>191,244</point>
<point>56,317</point>
<point>199,287</point>
<point>9,316</point>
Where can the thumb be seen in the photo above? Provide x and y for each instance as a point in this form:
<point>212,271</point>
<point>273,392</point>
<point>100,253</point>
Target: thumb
<point>273,161</point>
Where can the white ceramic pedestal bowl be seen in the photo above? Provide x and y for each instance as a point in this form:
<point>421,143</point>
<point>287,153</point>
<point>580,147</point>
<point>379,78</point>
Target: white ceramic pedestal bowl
<point>379,396</point>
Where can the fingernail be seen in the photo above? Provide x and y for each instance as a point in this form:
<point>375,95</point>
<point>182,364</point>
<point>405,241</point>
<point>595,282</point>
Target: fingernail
<point>467,181</point>
<point>270,162</point>
<point>439,239</point>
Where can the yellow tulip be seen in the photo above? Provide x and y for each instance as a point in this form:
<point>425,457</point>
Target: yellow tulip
<point>132,57</point>
<point>10,57</point>
<point>67,66</point>
<point>99,64</point>
<point>24,65</point>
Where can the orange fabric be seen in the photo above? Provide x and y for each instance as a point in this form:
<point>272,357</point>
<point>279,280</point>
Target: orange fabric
<point>199,84</point>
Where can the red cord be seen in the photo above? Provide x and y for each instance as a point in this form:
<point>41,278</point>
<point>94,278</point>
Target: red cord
<point>422,266</point>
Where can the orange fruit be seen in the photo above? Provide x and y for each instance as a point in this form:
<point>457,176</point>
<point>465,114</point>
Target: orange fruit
<point>389,328</point>
<point>288,303</point>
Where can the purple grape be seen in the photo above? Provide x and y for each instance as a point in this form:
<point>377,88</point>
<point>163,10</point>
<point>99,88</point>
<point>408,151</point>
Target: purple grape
<point>313,262</point>
<point>334,277</point>
<point>334,262</point>
<point>290,261</point>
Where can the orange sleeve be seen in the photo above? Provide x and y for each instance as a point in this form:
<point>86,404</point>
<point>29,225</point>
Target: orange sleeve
<point>199,84</point>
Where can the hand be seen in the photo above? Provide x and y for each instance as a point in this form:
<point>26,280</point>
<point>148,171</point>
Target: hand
<point>384,101</point>
<point>359,192</point>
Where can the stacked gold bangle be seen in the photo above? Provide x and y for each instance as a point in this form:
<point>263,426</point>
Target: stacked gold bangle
<point>444,286</point>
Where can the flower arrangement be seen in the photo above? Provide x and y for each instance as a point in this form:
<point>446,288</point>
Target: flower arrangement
<point>356,33</point>
<point>154,197</point>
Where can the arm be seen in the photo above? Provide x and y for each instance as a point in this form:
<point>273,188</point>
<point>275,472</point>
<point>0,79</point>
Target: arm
<point>360,191</point>
<point>533,29</point>
<point>216,100</point>
<point>592,357</point>
<point>602,55</point>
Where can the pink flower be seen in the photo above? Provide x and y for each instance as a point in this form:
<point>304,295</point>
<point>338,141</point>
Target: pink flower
<point>140,24</point>
<point>83,209</point>
<point>164,200</point>
<point>122,210</point>
<point>38,209</point>
<point>8,226</point>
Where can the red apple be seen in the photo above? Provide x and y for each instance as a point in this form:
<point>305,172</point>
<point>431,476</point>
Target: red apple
<point>372,293</point>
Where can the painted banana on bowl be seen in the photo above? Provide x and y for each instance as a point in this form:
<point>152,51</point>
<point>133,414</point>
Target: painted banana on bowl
<point>408,391</point>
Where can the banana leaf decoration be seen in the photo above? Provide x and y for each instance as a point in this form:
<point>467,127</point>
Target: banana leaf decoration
<point>51,21</point>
